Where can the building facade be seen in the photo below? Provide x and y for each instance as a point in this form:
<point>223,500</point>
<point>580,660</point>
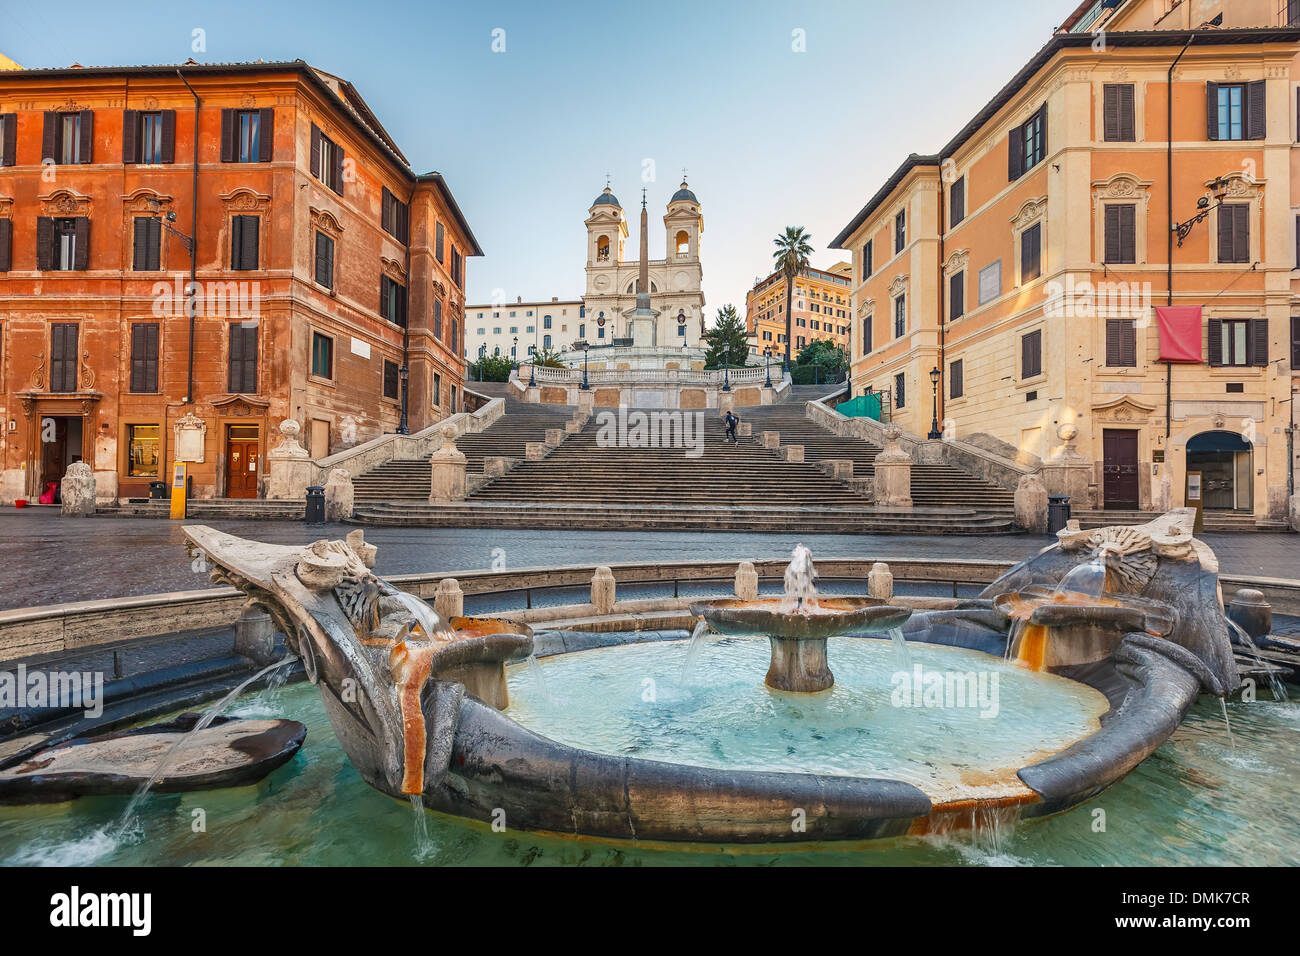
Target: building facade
<point>518,329</point>
<point>326,283</point>
<point>820,308</point>
<point>1017,284</point>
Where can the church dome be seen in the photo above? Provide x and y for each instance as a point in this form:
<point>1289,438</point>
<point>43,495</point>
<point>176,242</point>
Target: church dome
<point>684,195</point>
<point>607,198</point>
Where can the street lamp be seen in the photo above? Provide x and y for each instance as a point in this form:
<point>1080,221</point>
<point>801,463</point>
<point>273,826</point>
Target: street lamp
<point>1219,190</point>
<point>514,347</point>
<point>726,368</point>
<point>586,348</point>
<point>404,374</point>
<point>934,386</point>
<point>482,354</point>
<point>767,366</point>
<point>817,374</point>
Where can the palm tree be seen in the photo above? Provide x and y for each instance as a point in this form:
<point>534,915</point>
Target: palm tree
<point>793,247</point>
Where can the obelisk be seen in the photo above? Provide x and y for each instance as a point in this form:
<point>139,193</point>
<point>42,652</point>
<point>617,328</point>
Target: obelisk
<point>643,320</point>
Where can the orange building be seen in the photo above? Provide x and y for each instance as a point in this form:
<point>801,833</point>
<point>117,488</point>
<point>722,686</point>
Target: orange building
<point>327,286</point>
<point>1028,263</point>
<point>819,309</point>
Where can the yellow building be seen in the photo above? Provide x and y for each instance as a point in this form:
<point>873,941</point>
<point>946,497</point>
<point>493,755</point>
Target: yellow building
<point>1028,264</point>
<point>819,309</point>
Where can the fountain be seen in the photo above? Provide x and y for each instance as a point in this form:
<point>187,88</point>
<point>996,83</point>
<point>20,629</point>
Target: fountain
<point>798,624</point>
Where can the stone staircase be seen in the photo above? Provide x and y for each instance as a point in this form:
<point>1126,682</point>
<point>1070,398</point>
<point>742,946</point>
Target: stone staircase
<point>1214,520</point>
<point>409,480</point>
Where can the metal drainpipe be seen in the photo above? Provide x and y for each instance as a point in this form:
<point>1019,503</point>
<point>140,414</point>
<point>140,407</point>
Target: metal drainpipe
<point>194,241</point>
<point>403,426</point>
<point>1169,232</point>
<point>943,294</point>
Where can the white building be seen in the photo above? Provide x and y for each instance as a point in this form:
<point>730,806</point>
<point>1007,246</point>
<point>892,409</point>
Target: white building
<point>522,327</point>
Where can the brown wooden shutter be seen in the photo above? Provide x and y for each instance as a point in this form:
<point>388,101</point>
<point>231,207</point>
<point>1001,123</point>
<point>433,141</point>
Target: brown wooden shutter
<point>1127,114</point>
<point>63,357</point>
<point>1257,342</point>
<point>50,137</point>
<point>1254,110</point>
<point>957,296</point>
<point>9,146</point>
<point>81,250</point>
<point>315,150</point>
<point>336,175</point>
<point>1042,127</point>
<point>1121,343</point>
<point>386,211</point>
<point>383,297</point>
<point>265,135</point>
<point>87,144</point>
<point>130,136</point>
<point>1227,222</point>
<point>140,244</point>
<point>1241,233</point>
<point>1214,342</point>
<point>144,357</point>
<point>1112,342</point>
<point>957,198</point>
<point>1110,112</point>
<point>1127,233</point>
<point>228,135</point>
<point>1031,354</point>
<point>1112,234</point>
<point>955,384</point>
<point>169,136</point>
<point>1030,253</point>
<point>248,249</point>
<point>1211,110</point>
<point>1015,153</point>
<point>44,244</point>
<point>1295,343</point>
<point>236,239</point>
<point>243,359</point>
<point>6,244</point>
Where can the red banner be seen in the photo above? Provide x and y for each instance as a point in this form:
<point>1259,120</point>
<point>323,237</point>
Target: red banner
<point>1180,333</point>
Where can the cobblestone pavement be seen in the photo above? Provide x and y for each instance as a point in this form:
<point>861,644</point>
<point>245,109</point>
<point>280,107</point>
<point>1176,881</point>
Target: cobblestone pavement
<point>48,559</point>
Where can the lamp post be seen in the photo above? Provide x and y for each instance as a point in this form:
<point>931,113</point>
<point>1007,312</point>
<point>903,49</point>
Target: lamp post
<point>934,387</point>
<point>767,366</point>
<point>482,354</point>
<point>1218,189</point>
<point>817,372</point>
<point>532,364</point>
<point>726,368</point>
<point>586,348</point>
<point>404,374</point>
<point>514,348</point>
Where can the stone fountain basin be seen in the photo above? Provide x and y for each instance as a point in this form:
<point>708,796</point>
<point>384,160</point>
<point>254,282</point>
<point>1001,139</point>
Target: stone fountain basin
<point>469,628</point>
<point>772,616</point>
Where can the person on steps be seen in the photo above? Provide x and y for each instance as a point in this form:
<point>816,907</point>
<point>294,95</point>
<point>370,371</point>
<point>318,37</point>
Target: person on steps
<point>731,421</point>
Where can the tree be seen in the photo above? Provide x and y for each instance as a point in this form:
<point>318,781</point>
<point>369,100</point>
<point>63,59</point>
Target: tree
<point>545,358</point>
<point>821,360</point>
<point>728,338</point>
<point>793,247</point>
<point>491,368</point>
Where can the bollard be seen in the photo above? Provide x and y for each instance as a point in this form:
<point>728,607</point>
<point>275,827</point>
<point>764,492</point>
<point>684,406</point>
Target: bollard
<point>747,581</point>
<point>602,590</point>
<point>880,582</point>
<point>449,599</point>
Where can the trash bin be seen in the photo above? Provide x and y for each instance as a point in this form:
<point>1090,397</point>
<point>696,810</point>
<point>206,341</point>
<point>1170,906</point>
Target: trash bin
<point>315,504</point>
<point>1058,512</point>
<point>158,490</point>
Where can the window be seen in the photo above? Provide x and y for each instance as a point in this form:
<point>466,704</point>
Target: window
<point>1295,343</point>
<point>900,230</point>
<point>326,160</point>
<point>582,330</point>
<point>8,138</point>
<point>1031,250</point>
<point>395,218</point>
<point>6,244</point>
<point>437,242</point>
<point>244,242</point>
<point>437,319</point>
<point>866,261</point>
<point>453,398</point>
<point>322,355</point>
<point>1238,342</point>
<point>68,137</point>
<point>956,387</point>
<point>324,260</point>
<point>900,316</point>
<point>1121,232</point>
<point>546,342</point>
<point>1031,354</point>
<point>142,450</point>
<point>457,268</point>
<point>392,301</point>
<point>147,244</point>
<point>144,357</point>
<point>990,282</point>
<point>957,202</point>
<point>1027,145</point>
<point>242,361</point>
<point>1121,343</point>
<point>247,136</point>
<point>900,395</point>
<point>391,380</point>
<point>63,244</point>
<point>149,138</point>
<point>1235,110</point>
<point>546,321</point>
<point>956,296</point>
<point>1234,232</point>
<point>63,357</point>
<point>1117,113</point>
<point>454,341</point>
<point>437,384</point>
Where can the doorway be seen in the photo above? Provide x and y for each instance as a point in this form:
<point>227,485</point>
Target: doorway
<point>1119,469</point>
<point>60,437</point>
<point>243,457</point>
<point>1224,461</point>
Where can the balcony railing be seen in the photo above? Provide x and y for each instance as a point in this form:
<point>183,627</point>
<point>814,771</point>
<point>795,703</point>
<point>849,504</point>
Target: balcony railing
<point>648,376</point>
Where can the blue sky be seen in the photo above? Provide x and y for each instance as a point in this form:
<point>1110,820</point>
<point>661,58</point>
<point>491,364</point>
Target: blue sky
<point>771,137</point>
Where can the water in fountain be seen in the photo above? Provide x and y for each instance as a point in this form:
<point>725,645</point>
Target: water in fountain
<point>698,637</point>
<point>1223,704</point>
<point>428,620</point>
<point>1274,684</point>
<point>423,842</point>
<point>535,668</point>
<point>209,715</point>
<point>800,592</point>
<point>900,649</point>
<point>1086,579</point>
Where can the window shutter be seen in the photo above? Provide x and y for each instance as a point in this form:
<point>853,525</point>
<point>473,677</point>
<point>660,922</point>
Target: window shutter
<point>1295,343</point>
<point>1015,153</point>
<point>1256,114</point>
<point>169,136</point>
<point>151,357</point>
<point>1030,249</point>
<point>1128,233</point>
<point>1112,342</point>
<point>383,297</point>
<point>1127,114</point>
<point>130,136</point>
<point>63,357</point>
<point>1112,233</point>
<point>1241,233</point>
<point>87,143</point>
<point>1110,112</point>
<point>6,244</point>
<point>957,296</point>
<point>1031,354</point>
<point>81,252</point>
<point>1042,127</point>
<point>50,137</point>
<point>137,351</point>
<point>9,146</point>
<point>265,135</point>
<point>1257,342</point>
<point>248,250</point>
<point>315,150</point>
<point>140,245</point>
<point>336,175</point>
<point>955,384</point>
<point>957,197</point>
<point>1214,342</point>
<point>236,240</point>
<point>250,359</point>
<point>1211,110</point>
<point>235,364</point>
<point>44,244</point>
<point>227,136</point>
<point>405,224</point>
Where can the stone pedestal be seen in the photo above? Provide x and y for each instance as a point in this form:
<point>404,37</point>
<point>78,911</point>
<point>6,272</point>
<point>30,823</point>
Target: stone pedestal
<point>340,497</point>
<point>447,469</point>
<point>77,490</point>
<point>893,468</point>
<point>747,581</point>
<point>289,467</point>
<point>745,430</point>
<point>1068,472</point>
<point>555,437</point>
<point>494,466</point>
<point>586,401</point>
<point>255,635</point>
<point>770,439</point>
<point>449,600</point>
<point>880,582</point>
<point>838,468</point>
<point>792,452</point>
<point>726,402</point>
<point>799,665</point>
<point>603,590</point>
<point>1031,504</point>
<point>572,428</point>
<point>534,450</point>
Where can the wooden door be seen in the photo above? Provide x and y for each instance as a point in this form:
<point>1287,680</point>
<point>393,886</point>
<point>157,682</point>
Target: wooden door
<point>54,450</point>
<point>1120,469</point>
<point>241,468</point>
